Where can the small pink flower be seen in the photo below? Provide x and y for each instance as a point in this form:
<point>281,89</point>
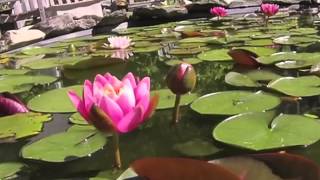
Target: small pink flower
<point>120,42</point>
<point>126,103</point>
<point>218,11</point>
<point>269,9</point>
<point>122,54</point>
<point>10,104</point>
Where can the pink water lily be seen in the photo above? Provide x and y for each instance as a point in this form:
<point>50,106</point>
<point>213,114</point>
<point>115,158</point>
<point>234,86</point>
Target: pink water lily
<point>10,104</point>
<point>126,103</point>
<point>218,11</point>
<point>269,9</point>
<point>119,42</point>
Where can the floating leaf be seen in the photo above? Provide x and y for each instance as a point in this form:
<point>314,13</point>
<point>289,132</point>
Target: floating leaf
<point>167,98</point>
<point>189,51</point>
<point>196,148</point>
<point>238,79</point>
<point>77,142</point>
<point>259,42</point>
<point>9,170</point>
<point>244,57</point>
<point>21,125</point>
<point>13,71</point>
<point>146,49</point>
<point>34,51</point>
<point>179,168</point>
<point>76,118</point>
<point>54,101</point>
<point>185,60</point>
<point>215,55</point>
<point>260,130</point>
<point>21,83</point>
<point>262,75</point>
<point>298,87</point>
<point>208,40</point>
<point>311,58</point>
<point>234,102</point>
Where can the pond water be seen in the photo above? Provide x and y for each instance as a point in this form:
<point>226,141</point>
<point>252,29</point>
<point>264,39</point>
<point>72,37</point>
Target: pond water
<point>201,42</point>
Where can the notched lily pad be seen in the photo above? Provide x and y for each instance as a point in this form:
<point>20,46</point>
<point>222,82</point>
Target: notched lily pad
<point>77,142</point>
<point>241,80</point>
<point>76,118</point>
<point>22,125</point>
<point>9,170</point>
<point>215,55</point>
<point>261,130</point>
<point>234,102</point>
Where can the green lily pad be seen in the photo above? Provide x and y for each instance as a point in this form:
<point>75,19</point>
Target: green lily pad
<point>241,80</point>
<point>299,87</point>
<point>234,102</point>
<point>140,44</point>
<point>9,170</point>
<point>261,130</point>
<point>55,62</point>
<point>34,51</point>
<point>21,83</point>
<point>260,51</point>
<point>304,31</point>
<point>54,101</point>
<point>262,75</point>
<point>310,58</point>
<point>208,40</point>
<point>22,125</point>
<point>167,98</point>
<point>191,45</point>
<point>77,142</point>
<point>76,118</point>
<point>13,71</point>
<point>190,51</point>
<point>294,64</point>
<point>259,42</point>
<point>196,148</point>
<point>215,55</point>
<point>146,49</point>
<point>185,60</point>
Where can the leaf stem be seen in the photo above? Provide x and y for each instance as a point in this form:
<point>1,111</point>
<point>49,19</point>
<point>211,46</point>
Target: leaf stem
<point>176,111</point>
<point>117,157</point>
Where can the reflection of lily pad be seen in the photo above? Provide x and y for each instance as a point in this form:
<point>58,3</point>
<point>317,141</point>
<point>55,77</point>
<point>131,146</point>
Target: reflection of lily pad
<point>196,148</point>
<point>300,86</point>
<point>54,101</point>
<point>167,98</point>
<point>238,79</point>
<point>215,55</point>
<point>9,170</point>
<point>21,125</point>
<point>260,130</point>
<point>77,142</point>
<point>234,102</point>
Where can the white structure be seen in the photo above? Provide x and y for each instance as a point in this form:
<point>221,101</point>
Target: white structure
<point>49,8</point>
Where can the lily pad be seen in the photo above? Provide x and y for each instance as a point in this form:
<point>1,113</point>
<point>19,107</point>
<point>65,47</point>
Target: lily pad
<point>13,71</point>
<point>34,51</point>
<point>9,170</point>
<point>238,79</point>
<point>187,51</point>
<point>21,83</point>
<point>298,87</point>
<point>146,49</point>
<point>77,142</point>
<point>21,125</point>
<point>259,42</point>
<point>262,75</point>
<point>167,98</point>
<point>215,55</point>
<point>208,40</point>
<point>196,148</point>
<point>310,58</point>
<point>186,60</point>
<point>260,51</point>
<point>261,130</point>
<point>234,102</point>
<point>76,118</point>
<point>54,101</point>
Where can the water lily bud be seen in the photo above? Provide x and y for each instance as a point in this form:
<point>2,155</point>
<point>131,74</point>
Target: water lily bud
<point>181,78</point>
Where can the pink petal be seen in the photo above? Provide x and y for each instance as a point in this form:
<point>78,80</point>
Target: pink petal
<point>126,99</point>
<point>88,98</point>
<point>9,107</point>
<point>130,121</point>
<point>142,89</point>
<point>79,105</point>
<point>151,107</point>
<point>98,87</point>
<point>111,108</point>
<point>131,78</point>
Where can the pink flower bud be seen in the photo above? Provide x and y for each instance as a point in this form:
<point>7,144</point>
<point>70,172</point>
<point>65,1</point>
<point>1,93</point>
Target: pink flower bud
<point>269,9</point>
<point>218,11</point>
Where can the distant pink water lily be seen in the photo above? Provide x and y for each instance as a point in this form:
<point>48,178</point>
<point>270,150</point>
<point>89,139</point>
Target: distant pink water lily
<point>10,104</point>
<point>119,42</point>
<point>269,9</point>
<point>218,11</point>
<point>126,103</point>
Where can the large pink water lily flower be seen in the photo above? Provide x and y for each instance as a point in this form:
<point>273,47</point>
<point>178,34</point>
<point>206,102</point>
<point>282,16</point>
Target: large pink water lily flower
<point>218,11</point>
<point>269,9</point>
<point>10,104</point>
<point>126,103</point>
<point>119,42</point>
